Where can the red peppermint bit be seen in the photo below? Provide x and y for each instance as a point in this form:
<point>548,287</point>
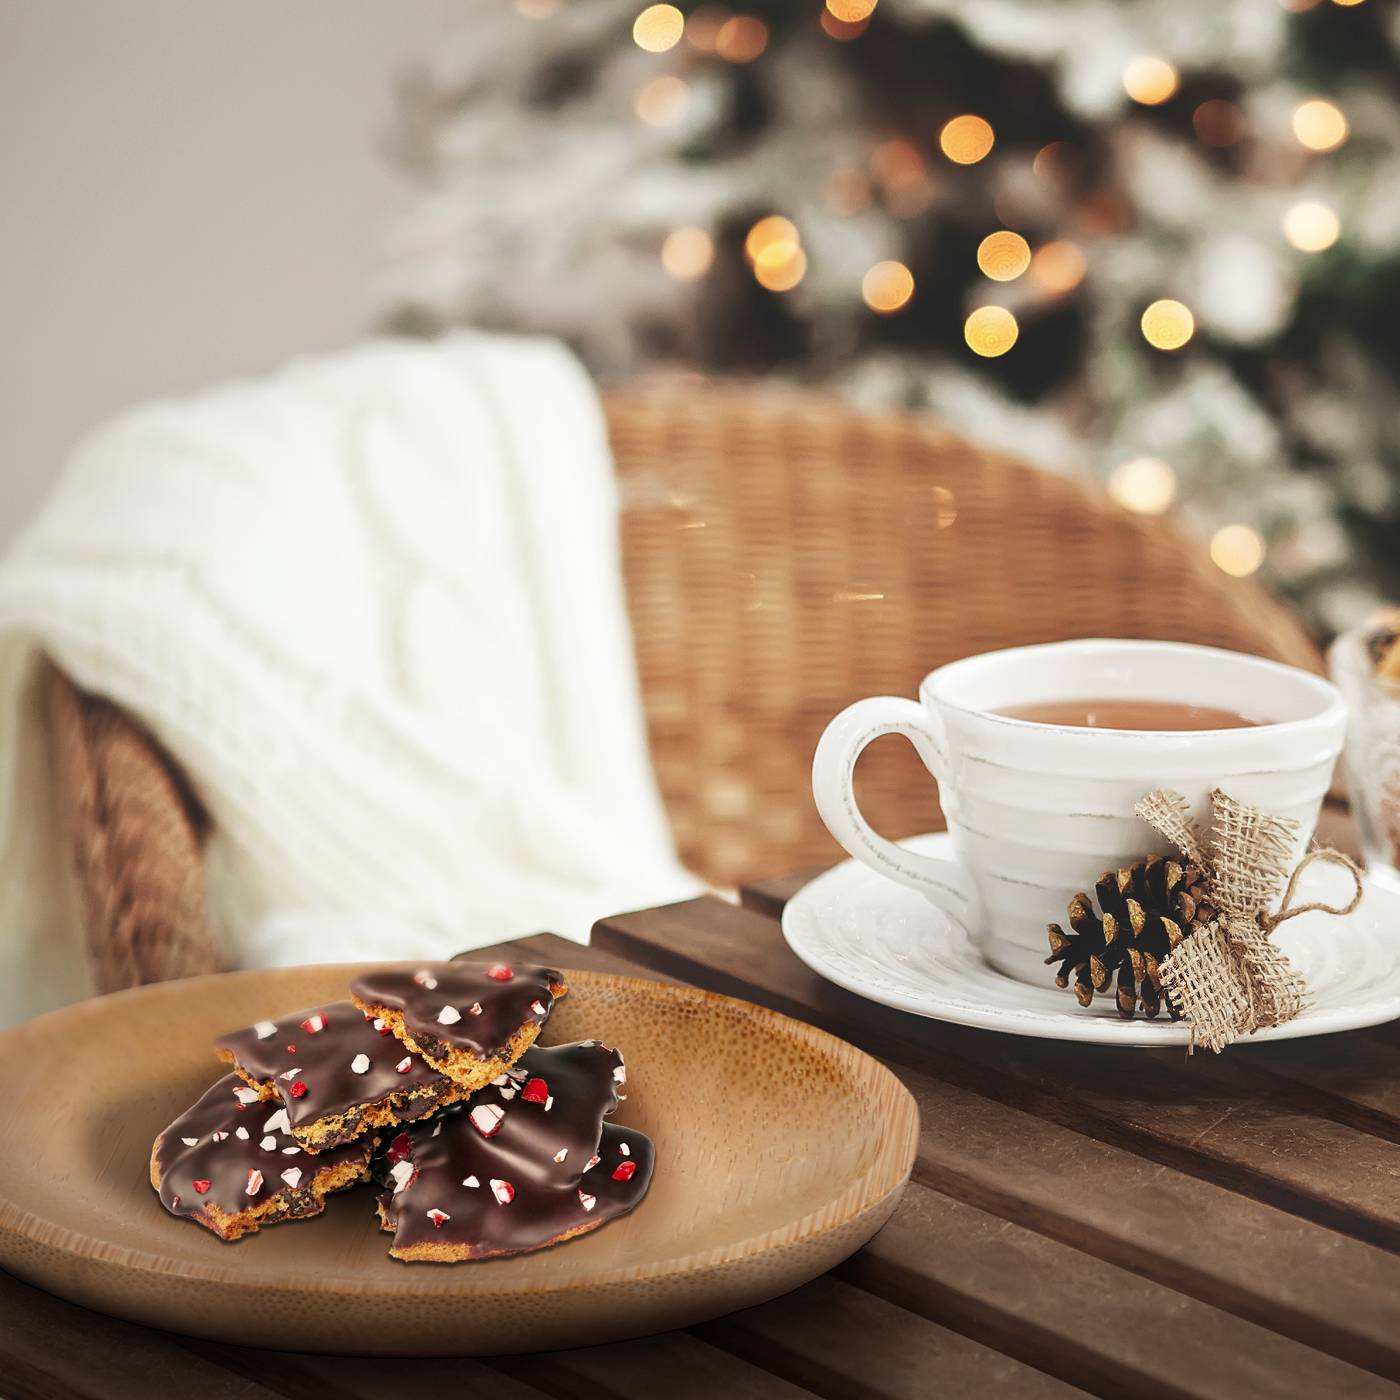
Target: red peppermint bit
<point>313,1024</point>
<point>255,1181</point>
<point>503,1191</point>
<point>405,1064</point>
<point>587,1201</point>
<point>437,1217</point>
<point>537,1007</point>
<point>500,973</point>
<point>536,1091</point>
<point>625,1171</point>
<point>297,1089</point>
<point>291,1049</point>
<point>399,1148</point>
<point>201,1184</point>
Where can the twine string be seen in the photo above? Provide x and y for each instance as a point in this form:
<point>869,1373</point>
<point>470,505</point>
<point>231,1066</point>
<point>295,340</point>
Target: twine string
<point>1288,910</point>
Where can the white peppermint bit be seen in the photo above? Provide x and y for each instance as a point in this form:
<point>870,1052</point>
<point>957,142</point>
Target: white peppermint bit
<point>255,1181</point>
<point>360,1064</point>
<point>218,1136</point>
<point>278,1123</point>
<point>474,1009</point>
<point>438,1216</point>
<point>470,1181</point>
<point>292,1176</point>
<point>620,1074</point>
<point>265,1029</point>
<point>587,1201</point>
<point>549,1103</point>
<point>537,1007</point>
<point>501,1079</point>
<point>503,1191</point>
<point>405,1064</point>
<point>593,1162</point>
<point>425,979</point>
<point>486,1118</point>
<point>624,1149</point>
<point>190,1142</point>
<point>509,1092</point>
<point>561,1154</point>
<point>402,1174</point>
<point>290,1073</point>
<point>290,1151</point>
<point>449,1016</point>
<point>245,1095</point>
<point>269,1143</point>
<point>241,1133</point>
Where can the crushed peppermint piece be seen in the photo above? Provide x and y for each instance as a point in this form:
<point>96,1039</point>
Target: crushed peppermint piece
<point>437,1127</point>
<point>549,1103</point>
<point>561,1154</point>
<point>624,1149</point>
<point>245,1095</point>
<point>500,973</point>
<point>400,1148</point>
<point>625,1171</point>
<point>201,1184</point>
<point>292,1176</point>
<point>190,1142</point>
<point>269,1143</point>
<point>175,1203</point>
<point>474,1009</point>
<point>381,1025</point>
<point>255,1181</point>
<point>298,1089</point>
<point>218,1136</point>
<point>360,1064</point>
<point>425,979</point>
<point>278,1123</point>
<point>500,1079</point>
<point>536,1091</point>
<point>402,1173</point>
<point>313,1024</point>
<point>405,1064</point>
<point>449,1016</point>
<point>290,1073</point>
<point>508,1092</point>
<point>503,1191</point>
<point>620,1074</point>
<point>593,1162</point>
<point>265,1029</point>
<point>241,1133</point>
<point>587,1201</point>
<point>290,1151</point>
<point>486,1118</point>
<point>470,1181</point>
<point>291,1049</point>
<point>537,1006</point>
<point>438,1216</point>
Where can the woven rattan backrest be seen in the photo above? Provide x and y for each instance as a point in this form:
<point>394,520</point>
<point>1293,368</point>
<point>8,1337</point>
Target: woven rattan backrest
<point>786,555</point>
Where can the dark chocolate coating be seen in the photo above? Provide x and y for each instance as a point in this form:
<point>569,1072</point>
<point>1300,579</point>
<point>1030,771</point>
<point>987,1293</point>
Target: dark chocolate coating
<point>326,1060</point>
<point>546,1197</point>
<point>225,1163</point>
<point>421,994</point>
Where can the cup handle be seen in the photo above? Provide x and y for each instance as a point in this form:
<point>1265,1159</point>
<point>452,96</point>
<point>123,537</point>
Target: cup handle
<point>833,772</point>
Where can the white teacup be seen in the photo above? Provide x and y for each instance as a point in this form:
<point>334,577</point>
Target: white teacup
<point>1038,811</point>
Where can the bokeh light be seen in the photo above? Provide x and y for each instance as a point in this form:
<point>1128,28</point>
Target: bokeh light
<point>1218,123</point>
<point>741,39</point>
<point>1144,484</point>
<point>1057,267</point>
<point>966,139</point>
<point>1167,325</point>
<point>1311,227</point>
<point>887,287</point>
<point>846,191</point>
<point>1237,550</point>
<point>687,253</point>
<point>839,29</point>
<point>703,25</point>
<point>662,102</point>
<point>1347,4</point>
<point>1319,125</point>
<point>658,28</point>
<point>990,331</point>
<point>780,267</point>
<point>851,11</point>
<point>1003,256</point>
<point>1150,80</point>
<point>774,235</point>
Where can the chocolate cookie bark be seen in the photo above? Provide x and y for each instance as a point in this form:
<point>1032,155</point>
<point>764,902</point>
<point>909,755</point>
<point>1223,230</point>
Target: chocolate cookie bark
<point>528,1163</point>
<point>337,1073</point>
<point>231,1164</point>
<point>470,1022</point>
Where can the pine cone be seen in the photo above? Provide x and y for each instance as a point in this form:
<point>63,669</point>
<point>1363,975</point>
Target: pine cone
<point>1147,910</point>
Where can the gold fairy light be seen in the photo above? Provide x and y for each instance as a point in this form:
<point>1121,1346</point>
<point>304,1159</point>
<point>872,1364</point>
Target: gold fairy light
<point>1319,125</point>
<point>1311,227</point>
<point>839,29</point>
<point>1150,80</point>
<point>846,191</point>
<point>780,267</point>
<point>658,28</point>
<point>1003,256</point>
<point>687,253</point>
<point>1237,550</point>
<point>851,11</point>
<point>741,39</point>
<point>1057,267</point>
<point>990,331</point>
<point>1218,123</point>
<point>774,236</point>
<point>662,102</point>
<point>967,139</point>
<point>1146,485</point>
<point>703,25</point>
<point>887,287</point>
<point>1167,325</point>
<point>897,163</point>
<point>1346,4</point>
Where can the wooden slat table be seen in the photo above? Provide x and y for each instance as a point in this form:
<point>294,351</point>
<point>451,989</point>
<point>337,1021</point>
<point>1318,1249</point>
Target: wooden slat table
<point>1079,1221</point>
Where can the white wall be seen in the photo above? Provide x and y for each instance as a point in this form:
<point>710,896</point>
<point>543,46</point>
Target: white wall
<point>188,189</point>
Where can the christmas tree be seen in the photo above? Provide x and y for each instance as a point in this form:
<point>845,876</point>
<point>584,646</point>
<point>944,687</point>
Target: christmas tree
<point>1158,241</point>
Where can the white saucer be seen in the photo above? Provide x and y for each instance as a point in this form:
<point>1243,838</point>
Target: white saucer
<point>888,943</point>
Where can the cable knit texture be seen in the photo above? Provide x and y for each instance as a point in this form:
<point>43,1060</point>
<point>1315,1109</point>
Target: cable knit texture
<point>373,607</point>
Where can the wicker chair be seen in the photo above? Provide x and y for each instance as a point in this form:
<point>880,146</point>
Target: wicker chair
<point>784,555</point>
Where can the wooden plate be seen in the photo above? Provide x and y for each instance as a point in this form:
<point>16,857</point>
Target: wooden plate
<point>780,1150</point>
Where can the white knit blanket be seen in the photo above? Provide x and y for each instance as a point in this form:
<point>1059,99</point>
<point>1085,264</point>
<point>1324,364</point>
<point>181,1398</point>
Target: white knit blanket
<point>373,607</point>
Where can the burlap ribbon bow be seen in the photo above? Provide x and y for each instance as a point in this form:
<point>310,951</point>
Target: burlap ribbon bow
<point>1228,979</point>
